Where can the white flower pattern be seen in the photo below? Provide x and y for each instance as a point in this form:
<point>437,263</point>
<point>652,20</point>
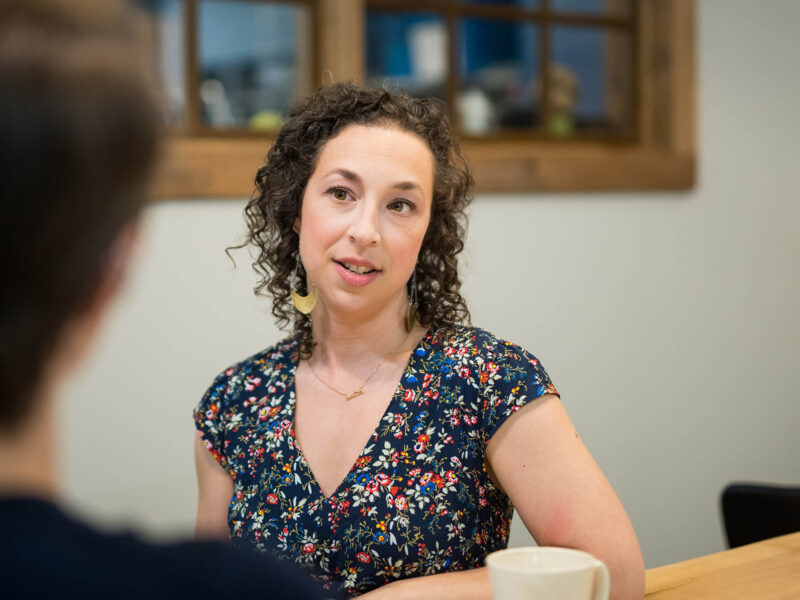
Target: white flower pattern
<point>418,499</point>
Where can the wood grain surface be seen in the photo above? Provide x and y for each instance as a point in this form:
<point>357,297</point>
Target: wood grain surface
<point>768,570</point>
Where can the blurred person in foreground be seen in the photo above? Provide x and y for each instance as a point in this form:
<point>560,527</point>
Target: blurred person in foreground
<point>78,137</point>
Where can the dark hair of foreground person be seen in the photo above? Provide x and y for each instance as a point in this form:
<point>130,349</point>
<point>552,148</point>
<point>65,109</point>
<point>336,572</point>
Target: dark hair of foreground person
<point>78,139</point>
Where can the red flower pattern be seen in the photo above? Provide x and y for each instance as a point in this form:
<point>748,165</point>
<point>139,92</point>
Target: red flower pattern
<point>417,500</point>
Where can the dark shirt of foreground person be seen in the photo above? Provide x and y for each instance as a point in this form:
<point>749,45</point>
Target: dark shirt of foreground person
<point>44,553</point>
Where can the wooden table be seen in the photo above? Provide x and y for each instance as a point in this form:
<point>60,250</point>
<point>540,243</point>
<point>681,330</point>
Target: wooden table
<point>768,570</point>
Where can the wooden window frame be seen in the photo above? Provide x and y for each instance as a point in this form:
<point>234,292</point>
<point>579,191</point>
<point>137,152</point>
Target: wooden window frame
<point>218,165</point>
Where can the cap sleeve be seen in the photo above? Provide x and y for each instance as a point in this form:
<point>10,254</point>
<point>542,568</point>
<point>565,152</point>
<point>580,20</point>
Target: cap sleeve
<point>210,420</point>
<point>511,378</point>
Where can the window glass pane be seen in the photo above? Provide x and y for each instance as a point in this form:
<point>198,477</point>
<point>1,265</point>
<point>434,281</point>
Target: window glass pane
<point>165,32</point>
<point>499,65</point>
<point>590,80</point>
<point>518,3</point>
<point>611,8</point>
<point>408,50</point>
<point>254,60</point>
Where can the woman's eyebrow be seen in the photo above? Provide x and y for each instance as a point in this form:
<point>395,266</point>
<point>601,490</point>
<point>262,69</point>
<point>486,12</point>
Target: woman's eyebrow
<point>355,178</point>
<point>349,175</point>
<point>407,185</point>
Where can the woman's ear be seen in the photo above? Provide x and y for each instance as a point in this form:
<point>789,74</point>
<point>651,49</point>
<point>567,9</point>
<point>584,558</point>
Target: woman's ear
<point>296,226</point>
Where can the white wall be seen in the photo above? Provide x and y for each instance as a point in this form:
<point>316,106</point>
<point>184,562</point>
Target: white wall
<point>668,321</point>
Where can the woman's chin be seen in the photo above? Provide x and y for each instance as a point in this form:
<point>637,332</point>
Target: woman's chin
<point>358,307</point>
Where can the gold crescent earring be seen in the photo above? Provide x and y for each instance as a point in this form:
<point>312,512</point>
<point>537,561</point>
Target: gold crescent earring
<point>304,304</point>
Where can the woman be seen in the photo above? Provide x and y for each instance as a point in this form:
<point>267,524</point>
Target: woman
<point>358,218</point>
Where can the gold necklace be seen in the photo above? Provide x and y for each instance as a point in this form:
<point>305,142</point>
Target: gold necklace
<point>359,391</point>
<point>356,392</point>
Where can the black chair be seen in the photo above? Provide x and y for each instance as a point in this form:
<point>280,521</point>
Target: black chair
<point>755,512</point>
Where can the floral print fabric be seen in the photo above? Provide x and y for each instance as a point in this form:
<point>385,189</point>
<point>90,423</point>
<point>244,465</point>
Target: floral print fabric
<point>418,499</point>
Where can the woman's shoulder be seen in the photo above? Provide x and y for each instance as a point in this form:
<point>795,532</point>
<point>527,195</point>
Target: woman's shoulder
<point>482,345</point>
<point>275,361</point>
<point>503,375</point>
<point>493,361</point>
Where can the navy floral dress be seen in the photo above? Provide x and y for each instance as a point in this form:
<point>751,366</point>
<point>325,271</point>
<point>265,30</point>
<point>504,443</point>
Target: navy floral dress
<point>417,501</point>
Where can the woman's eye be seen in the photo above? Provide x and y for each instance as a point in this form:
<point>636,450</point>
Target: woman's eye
<point>339,193</point>
<point>400,205</point>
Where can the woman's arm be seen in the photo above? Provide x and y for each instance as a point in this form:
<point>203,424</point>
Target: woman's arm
<point>562,496</point>
<point>456,585</point>
<point>537,458</point>
<point>215,489</point>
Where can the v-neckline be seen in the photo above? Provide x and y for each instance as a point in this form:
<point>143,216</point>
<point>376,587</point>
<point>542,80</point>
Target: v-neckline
<point>396,395</point>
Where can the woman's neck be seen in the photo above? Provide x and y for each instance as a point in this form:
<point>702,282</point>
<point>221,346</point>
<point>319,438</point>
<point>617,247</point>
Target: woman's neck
<point>348,340</point>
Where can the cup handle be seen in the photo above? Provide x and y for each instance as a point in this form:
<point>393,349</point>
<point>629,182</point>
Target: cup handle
<point>602,581</point>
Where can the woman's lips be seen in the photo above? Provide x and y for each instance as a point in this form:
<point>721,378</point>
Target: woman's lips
<point>355,279</point>
<point>356,261</point>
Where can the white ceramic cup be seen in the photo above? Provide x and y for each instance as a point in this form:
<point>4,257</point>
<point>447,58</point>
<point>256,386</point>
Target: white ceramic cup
<point>544,573</point>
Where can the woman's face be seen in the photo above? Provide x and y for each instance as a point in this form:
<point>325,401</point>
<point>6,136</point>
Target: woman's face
<point>365,211</point>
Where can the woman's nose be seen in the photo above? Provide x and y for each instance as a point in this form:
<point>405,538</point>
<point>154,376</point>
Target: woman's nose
<point>365,228</point>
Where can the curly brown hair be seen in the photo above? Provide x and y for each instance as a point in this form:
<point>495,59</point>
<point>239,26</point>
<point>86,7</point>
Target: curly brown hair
<point>280,183</point>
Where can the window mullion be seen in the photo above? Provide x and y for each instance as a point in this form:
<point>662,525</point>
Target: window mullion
<point>192,73</point>
<point>453,81</point>
<point>544,108</point>
<point>340,34</point>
